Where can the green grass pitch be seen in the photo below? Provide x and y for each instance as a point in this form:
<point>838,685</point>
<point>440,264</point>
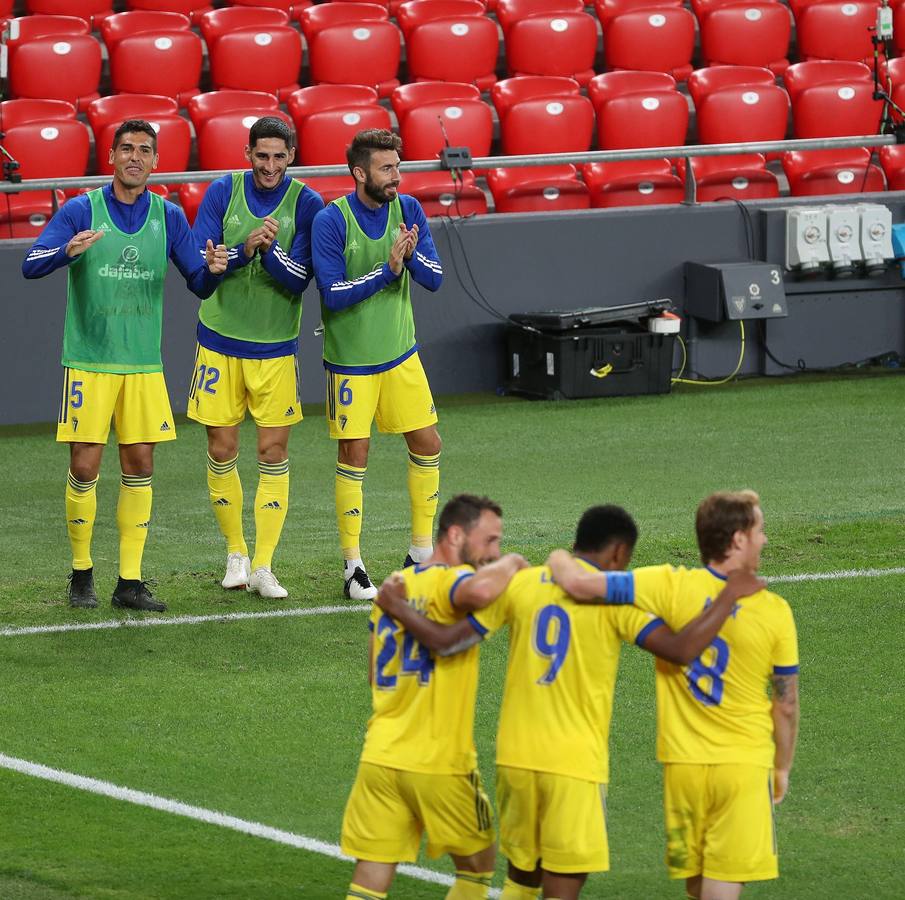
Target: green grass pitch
<point>263,719</point>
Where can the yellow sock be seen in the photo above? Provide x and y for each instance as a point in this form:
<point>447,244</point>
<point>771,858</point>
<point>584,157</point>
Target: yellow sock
<point>514,891</point>
<point>81,509</point>
<point>133,517</point>
<point>424,493</point>
<point>470,885</point>
<point>357,892</point>
<point>271,503</point>
<point>349,508</point>
<point>225,489</point>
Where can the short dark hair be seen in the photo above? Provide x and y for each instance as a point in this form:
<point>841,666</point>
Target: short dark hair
<point>601,526</point>
<point>135,125</point>
<point>270,127</point>
<point>366,142</point>
<point>719,517</point>
<point>464,510</point>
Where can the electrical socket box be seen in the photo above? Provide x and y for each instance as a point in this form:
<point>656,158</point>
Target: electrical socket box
<point>716,292</point>
<point>843,239</point>
<point>806,238</point>
<point>876,236</point>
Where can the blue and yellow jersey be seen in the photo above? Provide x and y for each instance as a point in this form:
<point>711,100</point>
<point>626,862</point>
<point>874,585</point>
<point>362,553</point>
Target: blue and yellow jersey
<point>423,706</point>
<point>563,658</point>
<point>717,710</point>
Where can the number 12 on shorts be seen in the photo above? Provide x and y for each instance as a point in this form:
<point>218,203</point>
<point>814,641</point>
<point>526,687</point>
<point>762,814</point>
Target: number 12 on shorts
<point>208,376</point>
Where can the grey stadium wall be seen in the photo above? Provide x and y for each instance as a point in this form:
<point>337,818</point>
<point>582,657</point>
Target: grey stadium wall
<point>519,263</point>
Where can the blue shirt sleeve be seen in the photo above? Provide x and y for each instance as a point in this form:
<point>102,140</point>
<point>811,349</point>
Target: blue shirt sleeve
<point>328,246</point>
<point>48,252</point>
<point>209,222</point>
<point>183,250</point>
<point>424,266</point>
<point>293,269</point>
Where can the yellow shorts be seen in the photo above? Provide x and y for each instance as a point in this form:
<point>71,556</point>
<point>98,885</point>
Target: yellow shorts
<point>224,386</point>
<point>552,819</point>
<point>138,403</point>
<point>719,822</point>
<point>400,398</point>
<point>388,810</point>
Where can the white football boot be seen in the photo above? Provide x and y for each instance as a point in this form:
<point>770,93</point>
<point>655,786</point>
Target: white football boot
<point>238,571</point>
<point>264,583</point>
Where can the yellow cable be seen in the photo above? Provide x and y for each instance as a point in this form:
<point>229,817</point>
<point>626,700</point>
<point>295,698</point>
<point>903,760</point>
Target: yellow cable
<point>703,383</point>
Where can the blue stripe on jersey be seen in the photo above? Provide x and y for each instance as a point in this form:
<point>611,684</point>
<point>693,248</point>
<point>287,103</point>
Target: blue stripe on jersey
<point>716,574</point>
<point>620,589</point>
<point>423,567</point>
<point>219,343</point>
<point>370,625</point>
<point>452,591</point>
<point>369,370</point>
<point>785,670</point>
<point>478,627</point>
<point>653,625</point>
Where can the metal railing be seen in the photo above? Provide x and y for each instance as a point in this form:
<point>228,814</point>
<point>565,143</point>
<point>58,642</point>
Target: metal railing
<point>491,162</point>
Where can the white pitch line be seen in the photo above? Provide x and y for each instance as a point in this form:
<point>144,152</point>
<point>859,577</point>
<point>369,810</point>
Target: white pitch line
<point>841,573</point>
<point>200,814</point>
<point>184,620</point>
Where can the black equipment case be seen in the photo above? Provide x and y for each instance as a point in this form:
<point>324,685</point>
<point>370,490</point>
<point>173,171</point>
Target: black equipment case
<point>593,352</point>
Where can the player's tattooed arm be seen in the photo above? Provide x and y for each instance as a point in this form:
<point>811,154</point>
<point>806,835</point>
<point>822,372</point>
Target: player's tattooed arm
<point>785,731</point>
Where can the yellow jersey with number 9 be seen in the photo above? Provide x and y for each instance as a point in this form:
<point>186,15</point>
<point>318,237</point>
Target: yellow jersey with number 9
<point>717,710</point>
<point>423,716</point>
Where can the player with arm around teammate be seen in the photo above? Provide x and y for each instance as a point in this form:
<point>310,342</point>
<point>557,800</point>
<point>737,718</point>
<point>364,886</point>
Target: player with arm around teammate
<point>368,247</point>
<point>552,742</point>
<point>418,770</point>
<point>247,341</point>
<point>116,242</point>
<point>726,747</point>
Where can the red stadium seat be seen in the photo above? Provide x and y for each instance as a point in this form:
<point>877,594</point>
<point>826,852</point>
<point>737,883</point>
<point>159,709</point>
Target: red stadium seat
<point>749,34</point>
<point>24,215</point>
<point>194,9</point>
<point>510,11</point>
<point>892,159</point>
<point>731,177</point>
<point>366,53</point>
<point>419,12</point>
<point>506,93</point>
<point>115,109</point>
<point>320,97</point>
<point>562,43</point>
<point>293,8</point>
<point>702,82</point>
<point>332,187</point>
<point>167,63</point>
<point>659,40</point>
<point>609,9</point>
<point>651,119</point>
<point>212,103</point>
<point>120,25</point>
<point>258,59</point>
<point>409,96</point>
<point>465,123</point>
<point>835,110</point>
<point>27,28</point>
<point>324,136</point>
<point>820,172</point>
<point>60,67</point>
<point>49,148</point>
<point>190,196</point>
<point>895,68</point>
<point>21,112</point>
<point>439,195</point>
<point>610,85</point>
<point>739,114</point>
<point>217,22</point>
<point>222,141</point>
<point>537,189</point>
<point>174,144</point>
<point>6,8</point>
<point>836,29</point>
<point>800,76</point>
<point>325,15</point>
<point>454,49</point>
<point>643,182</point>
<point>90,10</point>
<point>563,124</point>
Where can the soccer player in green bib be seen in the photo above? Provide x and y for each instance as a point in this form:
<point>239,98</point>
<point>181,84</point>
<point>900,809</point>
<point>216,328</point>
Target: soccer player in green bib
<point>116,242</point>
<point>247,340</point>
<point>367,247</point>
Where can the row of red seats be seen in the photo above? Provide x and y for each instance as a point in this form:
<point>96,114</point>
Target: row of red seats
<point>450,40</point>
<point>552,188</point>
